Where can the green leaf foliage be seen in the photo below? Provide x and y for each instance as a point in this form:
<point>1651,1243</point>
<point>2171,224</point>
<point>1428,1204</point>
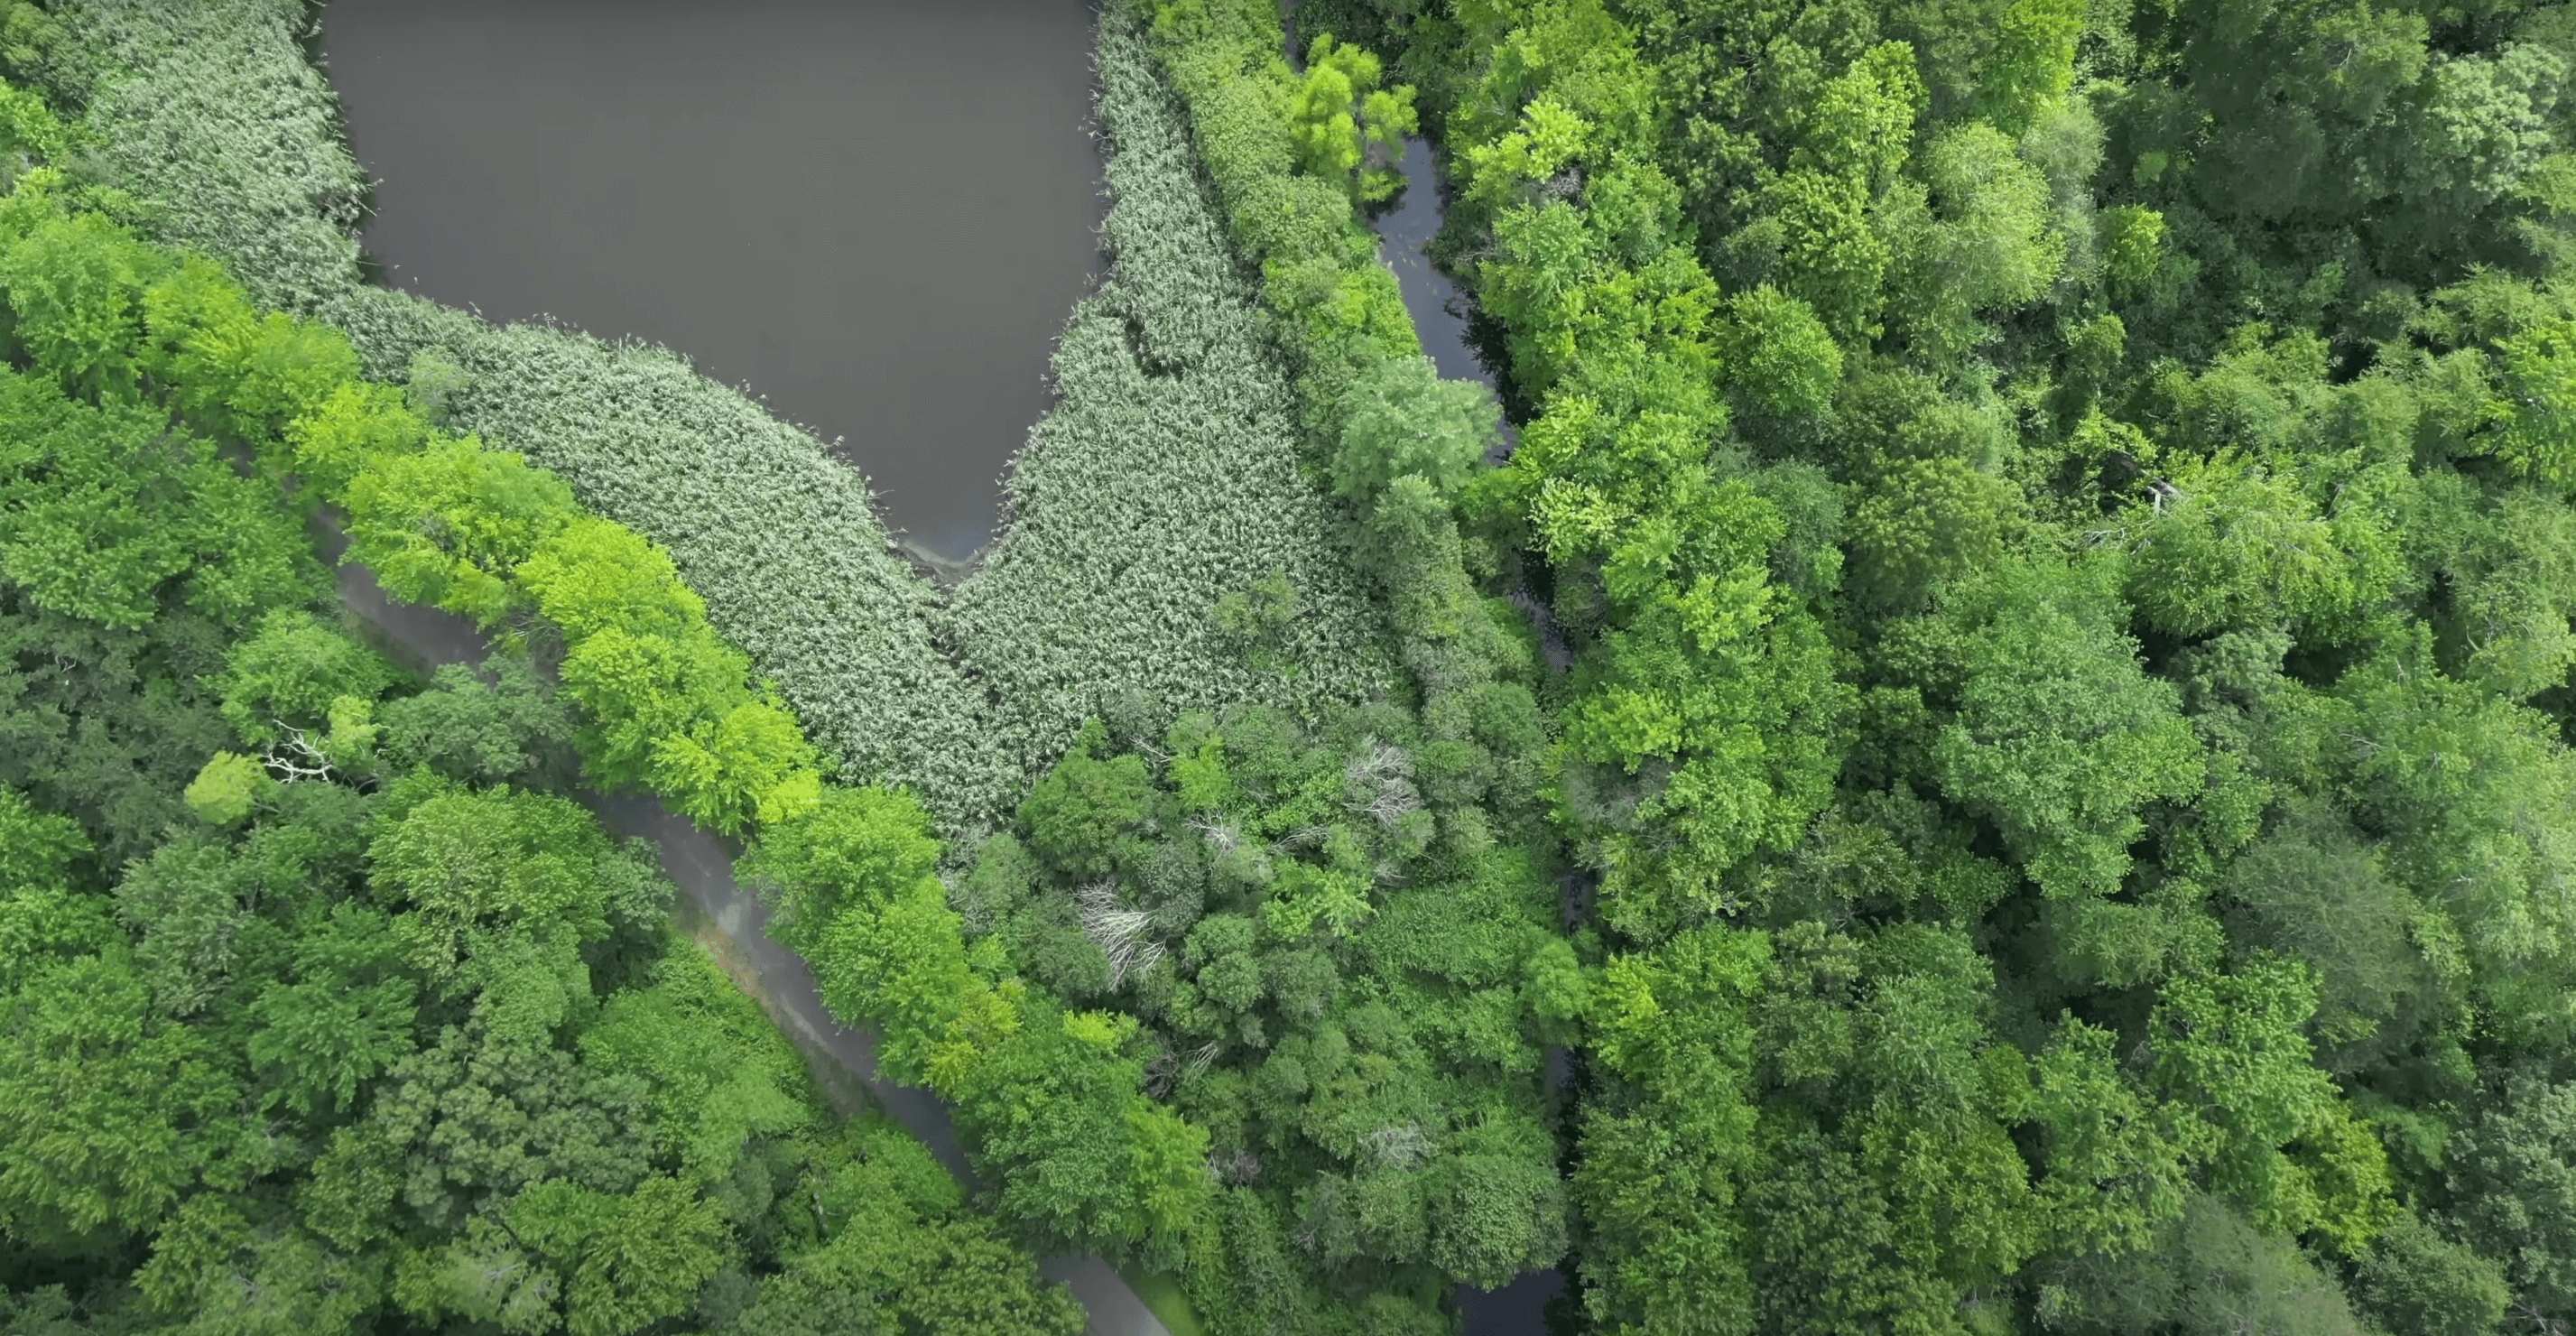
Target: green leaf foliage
<point>371,1045</point>
<point>2049,529</point>
<point>2124,847</point>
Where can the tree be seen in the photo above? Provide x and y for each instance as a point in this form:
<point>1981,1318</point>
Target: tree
<point>2060,735</point>
<point>220,1269</point>
<point>229,788</point>
<point>447,526</point>
<point>473,1117</point>
<point>346,1015</point>
<point>2117,1165</point>
<point>749,764</point>
<point>109,1113</point>
<point>860,848</point>
<point>1053,1103</point>
<point>329,445</point>
<point>2280,1139</point>
<point>110,516</point>
<point>2415,1279</point>
<point>1341,115</point>
<point>590,575</point>
<point>1666,1153</point>
<point>1978,234</point>
<point>1780,361</point>
<point>292,671</point>
<point>2231,548</point>
<point>2314,890</point>
<point>467,872</point>
<point>494,725</point>
<point>2474,831</point>
<point>1925,522</point>
<point>1400,418</point>
<point>855,890</point>
<point>627,1261</point>
<point>2512,1178</point>
<point>1493,1202</point>
<point>902,1253</point>
<point>722,1078</point>
<point>2032,63</point>
<point>2539,374</point>
<point>76,285</point>
<point>2212,1274</point>
<point>1079,815</point>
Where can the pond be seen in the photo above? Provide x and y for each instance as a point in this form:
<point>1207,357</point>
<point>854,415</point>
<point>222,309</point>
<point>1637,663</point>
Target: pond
<point>876,214</point>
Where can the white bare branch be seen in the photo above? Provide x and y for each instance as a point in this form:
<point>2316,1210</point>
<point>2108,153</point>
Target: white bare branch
<point>1119,931</point>
<point>296,758</point>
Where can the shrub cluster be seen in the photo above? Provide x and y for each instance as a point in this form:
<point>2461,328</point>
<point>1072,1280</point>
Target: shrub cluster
<point>225,141</point>
<point>1161,497</point>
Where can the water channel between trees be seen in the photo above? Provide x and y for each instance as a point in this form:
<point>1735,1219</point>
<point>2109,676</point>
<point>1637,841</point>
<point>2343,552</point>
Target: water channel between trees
<point>874,213</point>
<point>1439,311</point>
<point>732,924</point>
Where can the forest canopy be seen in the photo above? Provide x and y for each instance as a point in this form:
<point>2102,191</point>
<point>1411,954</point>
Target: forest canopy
<point>2058,514</point>
<point>1972,736</point>
<point>324,1006</point>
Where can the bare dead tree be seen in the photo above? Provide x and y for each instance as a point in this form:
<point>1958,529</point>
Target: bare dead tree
<point>1120,932</point>
<point>296,758</point>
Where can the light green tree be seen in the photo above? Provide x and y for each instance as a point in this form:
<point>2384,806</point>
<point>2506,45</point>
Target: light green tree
<point>1400,418</point>
<point>1346,128</point>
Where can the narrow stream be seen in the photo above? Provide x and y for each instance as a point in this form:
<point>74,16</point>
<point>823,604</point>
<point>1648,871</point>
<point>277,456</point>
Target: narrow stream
<point>1439,311</point>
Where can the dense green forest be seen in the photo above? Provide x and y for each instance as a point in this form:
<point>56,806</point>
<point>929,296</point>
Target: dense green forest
<point>2061,511</point>
<point>322,1006</point>
<point>2005,721</point>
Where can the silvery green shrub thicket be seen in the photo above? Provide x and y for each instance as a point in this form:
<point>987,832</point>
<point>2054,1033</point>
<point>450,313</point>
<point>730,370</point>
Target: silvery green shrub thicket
<point>226,136</point>
<point>1165,479</point>
<point>209,114</point>
<point>775,534</point>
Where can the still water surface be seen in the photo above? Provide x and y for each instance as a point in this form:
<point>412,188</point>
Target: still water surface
<point>874,213</point>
